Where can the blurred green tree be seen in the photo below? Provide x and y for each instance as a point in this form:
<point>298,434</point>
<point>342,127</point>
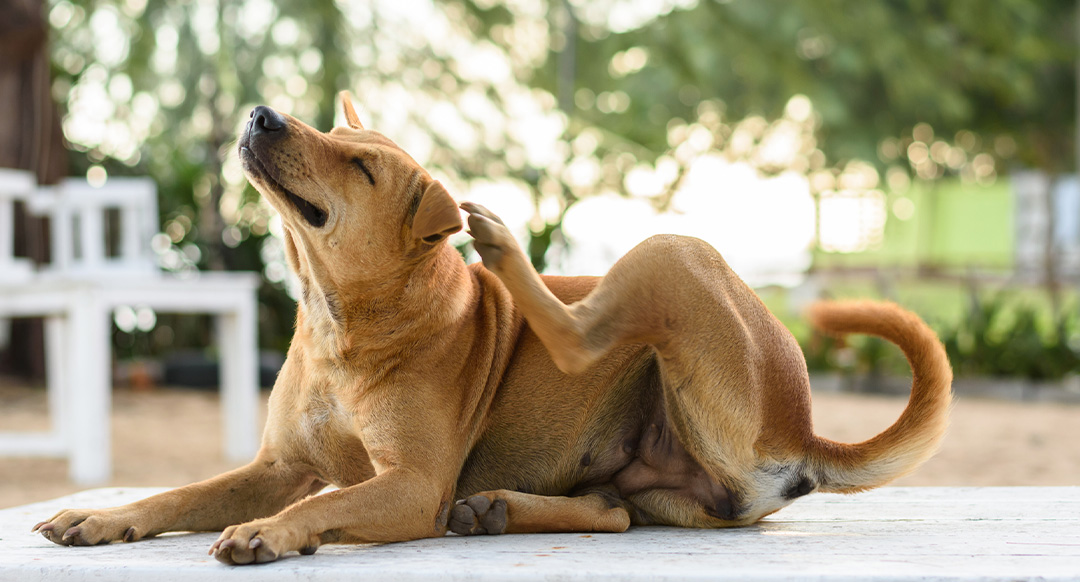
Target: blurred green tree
<point>562,99</point>
<point>872,69</point>
<point>978,77</point>
<point>163,89</point>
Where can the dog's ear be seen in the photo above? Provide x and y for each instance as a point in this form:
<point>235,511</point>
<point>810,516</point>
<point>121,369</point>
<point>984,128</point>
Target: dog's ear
<point>350,114</point>
<point>437,216</point>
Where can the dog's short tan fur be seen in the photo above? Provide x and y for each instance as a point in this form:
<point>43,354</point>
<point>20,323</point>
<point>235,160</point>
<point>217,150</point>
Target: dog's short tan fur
<point>664,392</point>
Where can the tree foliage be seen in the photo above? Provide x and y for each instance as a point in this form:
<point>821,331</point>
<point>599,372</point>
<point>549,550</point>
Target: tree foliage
<point>163,89</point>
<point>560,99</point>
<point>872,69</point>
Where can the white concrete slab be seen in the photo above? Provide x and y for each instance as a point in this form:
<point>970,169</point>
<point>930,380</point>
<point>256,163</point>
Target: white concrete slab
<point>916,533</point>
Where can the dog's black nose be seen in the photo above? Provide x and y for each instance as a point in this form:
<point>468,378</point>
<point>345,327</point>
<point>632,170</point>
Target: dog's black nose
<point>265,119</point>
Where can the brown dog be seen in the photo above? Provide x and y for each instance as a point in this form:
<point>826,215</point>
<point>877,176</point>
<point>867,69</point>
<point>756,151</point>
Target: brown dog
<point>662,393</point>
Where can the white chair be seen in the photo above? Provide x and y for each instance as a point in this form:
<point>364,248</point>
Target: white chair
<point>77,213</point>
<point>15,273</point>
<point>77,294</point>
<point>14,186</point>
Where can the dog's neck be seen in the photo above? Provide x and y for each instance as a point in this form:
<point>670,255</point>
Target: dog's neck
<point>362,322</point>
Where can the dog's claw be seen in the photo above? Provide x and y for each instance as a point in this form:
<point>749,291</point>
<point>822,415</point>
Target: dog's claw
<point>70,533</point>
<point>129,535</point>
<point>308,550</point>
<point>255,543</point>
<point>474,208</point>
<point>219,544</point>
<point>222,550</point>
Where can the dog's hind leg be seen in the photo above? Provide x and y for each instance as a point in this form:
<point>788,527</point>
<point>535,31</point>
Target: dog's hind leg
<point>502,511</point>
<point>735,385</point>
<point>576,335</point>
<point>666,288</point>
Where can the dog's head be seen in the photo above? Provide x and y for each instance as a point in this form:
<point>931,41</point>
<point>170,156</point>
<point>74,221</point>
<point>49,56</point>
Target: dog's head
<point>354,205</point>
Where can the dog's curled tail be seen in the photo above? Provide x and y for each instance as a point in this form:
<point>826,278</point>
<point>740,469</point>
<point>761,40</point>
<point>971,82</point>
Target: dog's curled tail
<point>915,436</point>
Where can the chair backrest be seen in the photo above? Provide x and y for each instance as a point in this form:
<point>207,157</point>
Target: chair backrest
<point>14,185</point>
<point>79,214</point>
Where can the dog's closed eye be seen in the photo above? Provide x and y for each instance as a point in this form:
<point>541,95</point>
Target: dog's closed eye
<point>363,168</point>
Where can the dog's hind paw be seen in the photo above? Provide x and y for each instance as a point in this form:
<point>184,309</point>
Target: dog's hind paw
<point>478,515</point>
<point>491,239</point>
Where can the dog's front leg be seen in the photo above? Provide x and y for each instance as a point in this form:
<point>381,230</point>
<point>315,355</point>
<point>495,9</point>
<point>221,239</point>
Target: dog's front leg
<point>397,505</point>
<point>262,487</point>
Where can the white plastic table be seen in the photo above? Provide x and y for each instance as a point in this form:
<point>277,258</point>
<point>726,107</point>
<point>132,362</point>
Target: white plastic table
<point>76,294</point>
<point>903,533</point>
<point>78,320</point>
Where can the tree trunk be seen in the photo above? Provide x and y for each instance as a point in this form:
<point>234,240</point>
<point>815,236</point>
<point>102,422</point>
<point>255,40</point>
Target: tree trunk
<point>31,138</point>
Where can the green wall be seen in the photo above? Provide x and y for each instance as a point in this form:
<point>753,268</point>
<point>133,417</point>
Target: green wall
<point>954,225</point>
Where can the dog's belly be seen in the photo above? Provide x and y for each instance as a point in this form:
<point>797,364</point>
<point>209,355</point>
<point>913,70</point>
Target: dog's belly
<point>606,431</point>
<point>552,434</point>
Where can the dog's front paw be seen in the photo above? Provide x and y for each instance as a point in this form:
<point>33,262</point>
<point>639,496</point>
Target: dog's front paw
<point>491,238</point>
<point>89,527</point>
<point>478,514</point>
<point>260,541</point>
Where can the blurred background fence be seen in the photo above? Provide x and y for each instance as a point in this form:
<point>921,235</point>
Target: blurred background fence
<point>917,151</point>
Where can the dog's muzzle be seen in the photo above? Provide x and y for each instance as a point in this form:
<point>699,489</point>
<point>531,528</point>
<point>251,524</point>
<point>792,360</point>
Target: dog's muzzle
<point>263,130</point>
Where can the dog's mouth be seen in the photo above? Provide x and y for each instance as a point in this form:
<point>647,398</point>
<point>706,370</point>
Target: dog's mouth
<point>314,215</point>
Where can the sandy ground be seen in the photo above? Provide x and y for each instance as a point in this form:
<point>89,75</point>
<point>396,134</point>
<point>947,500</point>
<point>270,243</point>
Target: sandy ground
<point>173,437</point>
